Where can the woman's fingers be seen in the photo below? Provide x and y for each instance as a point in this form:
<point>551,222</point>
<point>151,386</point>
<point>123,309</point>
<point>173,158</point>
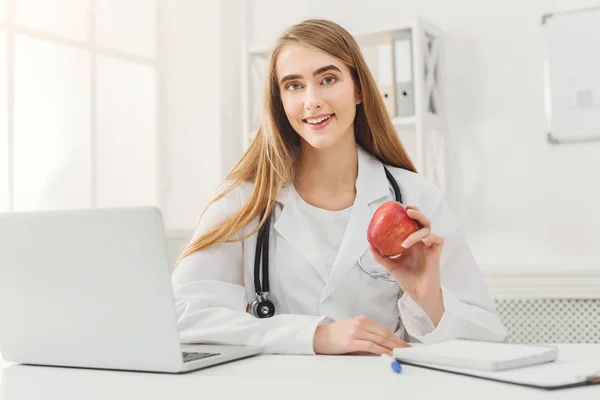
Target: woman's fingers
<point>369,347</point>
<point>373,327</point>
<point>359,334</point>
<point>379,340</point>
<point>417,215</point>
<point>415,237</point>
<point>375,338</point>
<point>432,240</point>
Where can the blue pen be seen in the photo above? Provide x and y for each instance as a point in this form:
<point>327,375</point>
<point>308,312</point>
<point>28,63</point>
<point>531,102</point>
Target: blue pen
<point>395,364</point>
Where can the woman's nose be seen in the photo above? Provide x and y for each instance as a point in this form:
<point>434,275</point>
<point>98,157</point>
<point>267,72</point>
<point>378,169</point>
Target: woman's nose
<point>313,100</point>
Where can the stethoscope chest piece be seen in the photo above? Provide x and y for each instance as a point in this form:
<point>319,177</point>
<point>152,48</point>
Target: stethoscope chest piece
<point>262,307</point>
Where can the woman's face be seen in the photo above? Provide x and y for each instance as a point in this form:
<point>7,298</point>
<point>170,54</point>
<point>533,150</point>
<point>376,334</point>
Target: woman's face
<point>318,94</point>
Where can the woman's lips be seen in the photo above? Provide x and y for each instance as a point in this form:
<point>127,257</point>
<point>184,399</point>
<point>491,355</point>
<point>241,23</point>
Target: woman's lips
<point>320,125</point>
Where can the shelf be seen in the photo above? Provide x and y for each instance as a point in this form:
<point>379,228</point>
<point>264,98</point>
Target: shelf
<point>430,120</point>
<point>404,121</point>
<point>415,74</point>
<point>365,36</point>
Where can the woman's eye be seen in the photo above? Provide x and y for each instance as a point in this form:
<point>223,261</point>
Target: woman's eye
<point>329,80</point>
<point>293,86</point>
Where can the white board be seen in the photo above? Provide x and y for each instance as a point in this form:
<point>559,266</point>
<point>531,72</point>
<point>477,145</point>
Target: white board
<point>572,47</point>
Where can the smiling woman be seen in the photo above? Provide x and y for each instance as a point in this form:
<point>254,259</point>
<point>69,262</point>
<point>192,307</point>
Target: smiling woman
<point>301,199</point>
<point>322,95</point>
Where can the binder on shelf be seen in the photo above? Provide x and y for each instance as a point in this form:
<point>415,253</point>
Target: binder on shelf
<point>386,72</point>
<point>405,97</point>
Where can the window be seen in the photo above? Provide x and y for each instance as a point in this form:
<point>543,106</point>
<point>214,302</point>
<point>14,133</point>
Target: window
<point>4,161</point>
<point>79,94</point>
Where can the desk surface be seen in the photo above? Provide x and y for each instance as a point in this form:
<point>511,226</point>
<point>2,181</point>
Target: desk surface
<point>276,376</point>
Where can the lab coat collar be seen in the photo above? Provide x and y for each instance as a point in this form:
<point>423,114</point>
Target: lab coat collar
<point>371,182</point>
<point>371,185</point>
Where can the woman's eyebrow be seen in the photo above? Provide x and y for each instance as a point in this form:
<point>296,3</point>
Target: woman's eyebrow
<point>315,73</point>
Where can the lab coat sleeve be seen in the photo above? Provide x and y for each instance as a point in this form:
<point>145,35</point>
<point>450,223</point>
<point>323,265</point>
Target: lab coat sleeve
<point>469,311</point>
<point>210,297</point>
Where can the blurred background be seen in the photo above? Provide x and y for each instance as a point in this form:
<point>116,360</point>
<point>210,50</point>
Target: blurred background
<point>127,102</point>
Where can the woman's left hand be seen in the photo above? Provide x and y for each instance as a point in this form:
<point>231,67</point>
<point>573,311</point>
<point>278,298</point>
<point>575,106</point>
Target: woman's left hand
<point>417,270</point>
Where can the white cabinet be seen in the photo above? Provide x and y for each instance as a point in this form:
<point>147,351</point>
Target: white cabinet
<point>408,65</point>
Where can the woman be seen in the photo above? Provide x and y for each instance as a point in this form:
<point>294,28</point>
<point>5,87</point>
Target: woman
<point>313,176</point>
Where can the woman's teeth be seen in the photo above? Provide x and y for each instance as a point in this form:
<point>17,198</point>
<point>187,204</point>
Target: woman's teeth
<point>317,120</point>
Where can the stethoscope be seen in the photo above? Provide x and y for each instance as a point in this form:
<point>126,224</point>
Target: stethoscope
<point>261,306</point>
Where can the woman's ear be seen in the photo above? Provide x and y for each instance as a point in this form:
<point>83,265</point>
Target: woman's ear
<point>358,96</point>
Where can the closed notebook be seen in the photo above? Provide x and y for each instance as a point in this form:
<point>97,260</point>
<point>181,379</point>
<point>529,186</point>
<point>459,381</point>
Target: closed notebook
<point>484,356</point>
<point>533,366</point>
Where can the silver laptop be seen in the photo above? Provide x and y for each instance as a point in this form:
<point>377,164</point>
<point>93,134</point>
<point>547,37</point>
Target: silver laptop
<point>92,288</point>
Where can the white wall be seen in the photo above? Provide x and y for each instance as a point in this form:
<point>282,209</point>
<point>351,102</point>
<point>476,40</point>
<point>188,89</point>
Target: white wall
<point>193,95</point>
<point>522,201</point>
<point>202,48</point>
<point>232,29</point>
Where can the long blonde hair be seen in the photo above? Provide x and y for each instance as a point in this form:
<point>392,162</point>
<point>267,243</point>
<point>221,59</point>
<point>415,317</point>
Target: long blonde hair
<point>271,158</point>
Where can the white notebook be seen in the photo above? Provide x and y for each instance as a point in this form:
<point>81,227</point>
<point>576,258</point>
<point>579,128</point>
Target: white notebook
<point>483,356</point>
<point>534,366</point>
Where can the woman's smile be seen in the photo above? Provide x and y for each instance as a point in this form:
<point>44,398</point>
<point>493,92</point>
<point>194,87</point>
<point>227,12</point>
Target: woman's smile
<point>318,122</point>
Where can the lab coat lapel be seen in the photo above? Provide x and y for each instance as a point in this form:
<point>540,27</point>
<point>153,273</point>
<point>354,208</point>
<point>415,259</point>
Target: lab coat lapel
<point>292,227</point>
<point>371,185</point>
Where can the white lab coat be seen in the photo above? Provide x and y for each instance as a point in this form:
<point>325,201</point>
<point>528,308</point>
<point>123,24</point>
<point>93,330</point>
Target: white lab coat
<point>212,287</point>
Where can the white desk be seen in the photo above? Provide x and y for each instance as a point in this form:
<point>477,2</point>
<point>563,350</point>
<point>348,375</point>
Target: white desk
<point>277,377</point>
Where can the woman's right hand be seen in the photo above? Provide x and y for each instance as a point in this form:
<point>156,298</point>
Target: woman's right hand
<point>356,335</point>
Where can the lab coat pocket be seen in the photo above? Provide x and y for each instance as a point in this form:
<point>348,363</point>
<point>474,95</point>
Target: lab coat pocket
<point>379,292</point>
<point>372,269</point>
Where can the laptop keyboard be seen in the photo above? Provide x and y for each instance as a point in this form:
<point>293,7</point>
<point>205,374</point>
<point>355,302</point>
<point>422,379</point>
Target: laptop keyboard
<point>189,356</point>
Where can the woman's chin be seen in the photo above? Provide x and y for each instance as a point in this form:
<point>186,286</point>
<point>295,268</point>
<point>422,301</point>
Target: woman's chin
<point>322,142</point>
<point>321,139</point>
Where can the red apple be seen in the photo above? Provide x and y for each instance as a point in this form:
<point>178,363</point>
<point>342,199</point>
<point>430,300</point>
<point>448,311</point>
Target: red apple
<point>388,228</point>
